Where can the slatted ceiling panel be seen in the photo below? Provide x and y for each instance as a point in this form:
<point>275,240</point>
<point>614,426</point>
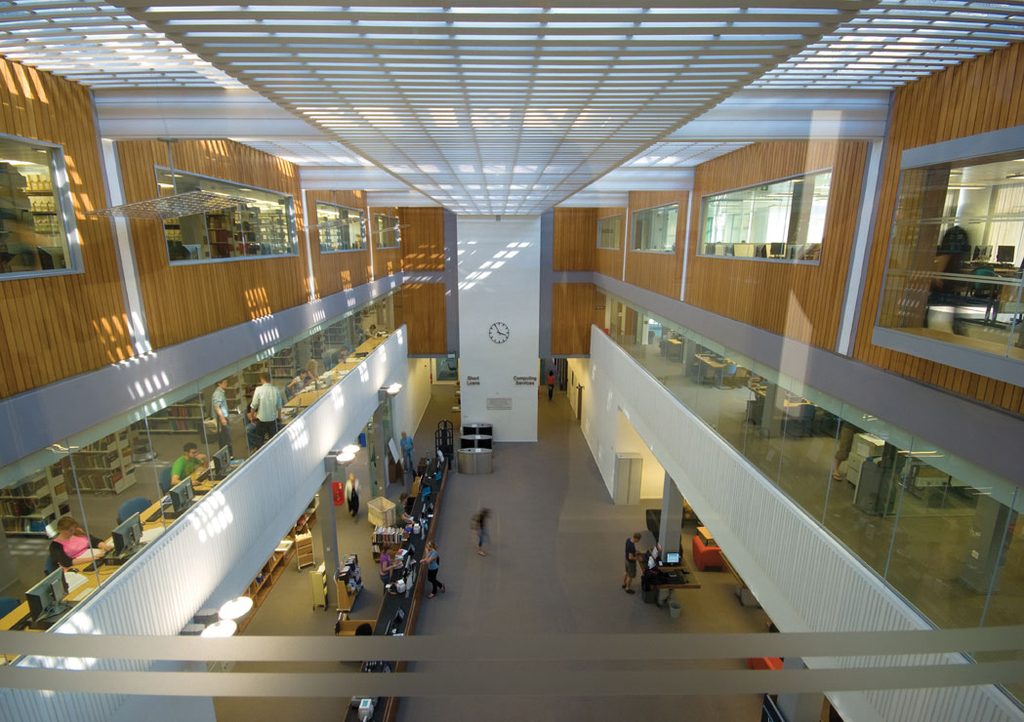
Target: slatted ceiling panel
<point>572,313</point>
<point>422,238</point>
<point>942,107</point>
<point>801,301</point>
<point>183,302</point>
<point>575,239</point>
<point>609,261</point>
<point>421,307</point>
<point>658,272</point>
<point>335,272</point>
<point>59,326</point>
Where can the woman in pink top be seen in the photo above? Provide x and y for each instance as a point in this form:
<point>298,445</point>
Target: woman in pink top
<point>72,546</point>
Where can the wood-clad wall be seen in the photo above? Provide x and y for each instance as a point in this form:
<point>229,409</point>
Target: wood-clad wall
<point>608,261</point>
<point>386,261</point>
<point>575,239</point>
<point>339,271</point>
<point>574,307</point>
<point>658,272</point>
<point>800,301</point>
<point>422,307</point>
<point>982,95</point>
<point>185,301</point>
<point>422,238</point>
<point>59,326</point>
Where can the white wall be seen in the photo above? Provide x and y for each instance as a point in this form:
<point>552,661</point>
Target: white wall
<point>499,281</point>
<point>652,484</point>
<point>803,577</point>
<point>215,550</point>
<point>411,403</point>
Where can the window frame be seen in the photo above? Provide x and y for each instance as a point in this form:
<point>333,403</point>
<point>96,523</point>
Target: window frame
<point>62,195</point>
<point>700,245</point>
<point>397,231</point>
<point>362,228</point>
<point>621,217</point>
<point>289,215</point>
<point>632,231</point>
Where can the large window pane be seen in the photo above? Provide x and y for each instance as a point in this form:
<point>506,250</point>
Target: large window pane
<point>35,219</point>
<point>263,223</point>
<point>654,229</point>
<point>609,232</point>
<point>387,230</point>
<point>339,228</point>
<point>784,220</point>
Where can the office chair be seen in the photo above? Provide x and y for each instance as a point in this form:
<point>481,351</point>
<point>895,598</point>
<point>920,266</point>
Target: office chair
<point>135,505</point>
<point>8,605</point>
<point>164,479</point>
<point>50,565</point>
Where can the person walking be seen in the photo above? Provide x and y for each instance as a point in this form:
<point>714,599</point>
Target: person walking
<point>219,402</point>
<point>551,384</point>
<point>627,581</point>
<point>480,527</point>
<point>433,561</point>
<point>406,446</point>
<point>352,494</point>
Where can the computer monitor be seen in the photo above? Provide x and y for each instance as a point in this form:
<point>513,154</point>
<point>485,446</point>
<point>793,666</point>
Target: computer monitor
<point>1004,254</point>
<point>776,250</point>
<point>128,536</point>
<point>395,625</point>
<point>222,462</point>
<point>181,495</point>
<point>671,558</point>
<point>46,599</point>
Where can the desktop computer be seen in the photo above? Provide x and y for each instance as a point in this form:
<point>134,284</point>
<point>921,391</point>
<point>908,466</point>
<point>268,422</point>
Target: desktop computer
<point>46,600</point>
<point>127,540</point>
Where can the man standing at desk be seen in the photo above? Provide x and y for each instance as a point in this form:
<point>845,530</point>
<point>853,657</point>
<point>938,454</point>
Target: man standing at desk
<point>406,445</point>
<point>187,463</point>
<point>264,410</point>
<point>627,580</point>
<point>219,401</point>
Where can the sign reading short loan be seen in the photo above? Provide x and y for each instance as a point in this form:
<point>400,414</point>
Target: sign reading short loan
<point>500,403</point>
<point>472,381</point>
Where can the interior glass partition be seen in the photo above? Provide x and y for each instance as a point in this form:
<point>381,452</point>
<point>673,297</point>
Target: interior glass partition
<point>941,531</point>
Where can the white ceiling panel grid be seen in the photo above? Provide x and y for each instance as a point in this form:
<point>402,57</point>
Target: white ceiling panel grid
<point>497,110</point>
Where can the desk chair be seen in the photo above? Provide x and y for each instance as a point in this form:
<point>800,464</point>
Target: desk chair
<point>8,605</point>
<point>135,505</point>
<point>164,479</point>
<point>50,565</point>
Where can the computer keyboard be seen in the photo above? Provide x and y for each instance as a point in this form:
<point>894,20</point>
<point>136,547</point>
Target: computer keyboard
<point>155,516</point>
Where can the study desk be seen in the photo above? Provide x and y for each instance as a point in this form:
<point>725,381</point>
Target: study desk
<point>673,349</point>
<point>715,365</point>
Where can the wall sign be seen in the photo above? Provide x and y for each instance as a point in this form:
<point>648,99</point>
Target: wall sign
<point>500,403</point>
<point>472,381</point>
<point>524,380</point>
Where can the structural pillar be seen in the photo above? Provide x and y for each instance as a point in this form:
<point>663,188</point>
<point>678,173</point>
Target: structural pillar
<point>328,523</point>
<point>800,707</point>
<point>671,515</point>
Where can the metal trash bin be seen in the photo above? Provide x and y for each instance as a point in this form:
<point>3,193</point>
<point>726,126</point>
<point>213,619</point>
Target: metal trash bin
<point>475,461</point>
<point>674,608</point>
<point>476,441</point>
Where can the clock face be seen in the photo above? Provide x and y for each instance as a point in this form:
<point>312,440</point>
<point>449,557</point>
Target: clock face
<point>498,332</point>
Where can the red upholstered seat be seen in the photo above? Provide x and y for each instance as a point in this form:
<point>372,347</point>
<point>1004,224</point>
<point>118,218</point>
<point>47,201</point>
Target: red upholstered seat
<point>705,557</point>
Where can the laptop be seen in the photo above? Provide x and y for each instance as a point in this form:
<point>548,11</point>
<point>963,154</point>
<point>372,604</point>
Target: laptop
<point>671,559</point>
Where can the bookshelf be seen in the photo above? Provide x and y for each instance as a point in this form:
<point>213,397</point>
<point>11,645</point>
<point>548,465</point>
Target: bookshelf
<point>29,505</point>
<point>282,365</point>
<point>250,379</point>
<point>182,418</point>
<point>106,465</point>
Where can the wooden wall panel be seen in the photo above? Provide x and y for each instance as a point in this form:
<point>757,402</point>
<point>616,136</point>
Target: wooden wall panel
<point>575,239</point>
<point>183,302</point>
<point>386,261</point>
<point>59,326</point>
<point>335,272</point>
<point>658,272</point>
<point>422,307</point>
<point>800,301</point>
<point>422,238</point>
<point>574,307</point>
<point>979,96</point>
<point>606,261</point>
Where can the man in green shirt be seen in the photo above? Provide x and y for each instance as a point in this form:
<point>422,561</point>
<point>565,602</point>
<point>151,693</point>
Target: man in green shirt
<point>187,463</point>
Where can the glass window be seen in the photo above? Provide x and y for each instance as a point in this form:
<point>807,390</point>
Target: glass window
<point>609,232</point>
<point>387,230</point>
<point>956,252</point>
<point>654,229</point>
<point>263,223</point>
<point>36,222</point>
<point>339,228</point>
<point>784,220</point>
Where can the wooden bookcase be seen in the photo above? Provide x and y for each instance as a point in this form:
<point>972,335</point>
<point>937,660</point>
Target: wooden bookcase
<point>106,465</point>
<point>183,418</point>
<point>41,498</point>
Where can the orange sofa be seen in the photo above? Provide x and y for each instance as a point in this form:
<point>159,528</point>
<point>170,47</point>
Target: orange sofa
<point>705,557</point>
<point>764,663</point>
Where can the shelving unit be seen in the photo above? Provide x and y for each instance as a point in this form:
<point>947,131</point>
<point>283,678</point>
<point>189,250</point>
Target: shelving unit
<point>250,379</point>
<point>182,418</point>
<point>318,586</point>
<point>28,506</point>
<point>260,587</point>
<point>282,365</point>
<point>106,465</point>
<point>304,550</point>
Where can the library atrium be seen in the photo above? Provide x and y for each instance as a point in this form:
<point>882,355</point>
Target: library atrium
<point>566,361</point>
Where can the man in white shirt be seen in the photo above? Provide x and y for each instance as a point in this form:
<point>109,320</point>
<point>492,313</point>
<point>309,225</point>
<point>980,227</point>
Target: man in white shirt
<point>264,410</point>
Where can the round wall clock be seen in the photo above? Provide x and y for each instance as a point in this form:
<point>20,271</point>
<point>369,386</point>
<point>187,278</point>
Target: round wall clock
<point>498,332</point>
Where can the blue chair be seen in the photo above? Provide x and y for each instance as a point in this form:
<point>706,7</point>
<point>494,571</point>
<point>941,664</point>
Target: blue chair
<point>8,605</point>
<point>50,565</point>
<point>135,505</point>
<point>164,479</point>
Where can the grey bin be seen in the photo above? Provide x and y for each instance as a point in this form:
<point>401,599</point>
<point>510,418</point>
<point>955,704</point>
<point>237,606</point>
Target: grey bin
<point>475,461</point>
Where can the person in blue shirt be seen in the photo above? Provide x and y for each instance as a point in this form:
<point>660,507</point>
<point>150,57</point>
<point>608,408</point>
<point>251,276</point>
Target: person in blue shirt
<point>433,561</point>
<point>406,445</point>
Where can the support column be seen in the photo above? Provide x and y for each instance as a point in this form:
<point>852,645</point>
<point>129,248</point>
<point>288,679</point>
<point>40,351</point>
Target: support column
<point>769,412</point>
<point>796,707</point>
<point>328,523</point>
<point>671,516</point>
